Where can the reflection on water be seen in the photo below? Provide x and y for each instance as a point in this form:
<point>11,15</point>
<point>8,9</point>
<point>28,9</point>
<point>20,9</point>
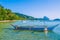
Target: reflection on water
<point>7,33</point>
<point>46,32</point>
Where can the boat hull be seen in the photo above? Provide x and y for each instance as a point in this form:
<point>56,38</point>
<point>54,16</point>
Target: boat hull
<point>33,28</point>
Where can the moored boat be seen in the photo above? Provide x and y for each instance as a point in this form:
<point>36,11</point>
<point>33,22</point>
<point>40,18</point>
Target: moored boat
<point>16,27</point>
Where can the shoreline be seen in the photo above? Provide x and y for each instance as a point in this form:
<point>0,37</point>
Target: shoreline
<point>8,20</point>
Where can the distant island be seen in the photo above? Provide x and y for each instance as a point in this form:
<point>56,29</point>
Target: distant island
<point>45,18</point>
<point>7,14</point>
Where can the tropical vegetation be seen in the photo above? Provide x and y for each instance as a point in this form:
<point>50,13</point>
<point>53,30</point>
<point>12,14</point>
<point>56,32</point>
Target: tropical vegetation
<point>7,14</point>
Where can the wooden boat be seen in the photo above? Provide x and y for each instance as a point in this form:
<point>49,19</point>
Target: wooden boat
<point>33,28</point>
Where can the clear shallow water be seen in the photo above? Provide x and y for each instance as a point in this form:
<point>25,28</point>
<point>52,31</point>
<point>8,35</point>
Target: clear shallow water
<point>6,33</point>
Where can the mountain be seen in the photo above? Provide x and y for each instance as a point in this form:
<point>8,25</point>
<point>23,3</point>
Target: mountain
<point>45,18</point>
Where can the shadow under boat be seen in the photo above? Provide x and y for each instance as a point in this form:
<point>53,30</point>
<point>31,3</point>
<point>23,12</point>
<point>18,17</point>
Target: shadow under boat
<point>16,27</point>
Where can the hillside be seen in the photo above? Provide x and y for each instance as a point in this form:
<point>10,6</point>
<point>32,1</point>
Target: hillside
<point>25,16</point>
<point>7,14</point>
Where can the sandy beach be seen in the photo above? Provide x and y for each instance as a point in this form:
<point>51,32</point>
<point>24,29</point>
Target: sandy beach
<point>7,20</point>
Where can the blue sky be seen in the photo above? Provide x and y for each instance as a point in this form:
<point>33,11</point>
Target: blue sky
<point>35,8</point>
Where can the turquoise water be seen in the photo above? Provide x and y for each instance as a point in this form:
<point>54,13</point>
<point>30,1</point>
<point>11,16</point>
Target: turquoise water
<point>7,33</point>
